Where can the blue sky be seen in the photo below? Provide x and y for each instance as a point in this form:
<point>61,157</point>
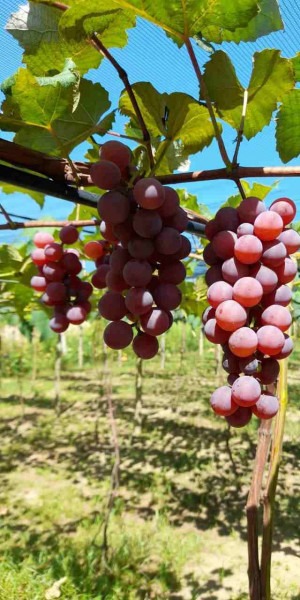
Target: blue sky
<point>151,56</point>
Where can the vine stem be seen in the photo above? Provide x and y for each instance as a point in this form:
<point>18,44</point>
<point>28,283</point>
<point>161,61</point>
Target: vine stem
<point>205,94</point>
<point>38,224</point>
<point>262,451</point>
<point>270,491</point>
<point>241,129</point>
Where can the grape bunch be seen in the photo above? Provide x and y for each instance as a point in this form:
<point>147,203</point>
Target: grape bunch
<point>143,222</point>
<point>58,270</point>
<point>249,268</point>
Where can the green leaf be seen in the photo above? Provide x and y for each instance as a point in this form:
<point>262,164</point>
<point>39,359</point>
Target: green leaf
<point>188,200</point>
<point>53,113</point>
<point>296,65</point>
<point>36,27</point>
<point>272,77</point>
<point>10,260</point>
<point>22,295</point>
<point>288,127</point>
<point>266,21</point>
<point>7,188</point>
<point>259,190</point>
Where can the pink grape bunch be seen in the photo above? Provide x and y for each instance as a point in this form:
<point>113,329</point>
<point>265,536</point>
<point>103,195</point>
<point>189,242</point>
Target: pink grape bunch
<point>144,222</point>
<point>57,278</point>
<point>249,268</point>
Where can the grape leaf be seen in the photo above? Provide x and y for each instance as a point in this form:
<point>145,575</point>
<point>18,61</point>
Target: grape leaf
<point>288,127</point>
<point>272,77</point>
<point>266,21</point>
<point>7,188</point>
<point>259,190</point>
<point>296,65</point>
<point>188,200</point>
<point>53,113</point>
<point>36,27</point>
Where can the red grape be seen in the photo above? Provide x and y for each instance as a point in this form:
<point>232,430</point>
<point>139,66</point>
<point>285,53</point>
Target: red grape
<point>269,371</point>
<point>145,346</point>
<point>246,391</point>
<point>214,333</point>
<point>240,417</point>
<point>286,349</point>
<point>230,363</point>
<point>141,248</point>
<point>155,322</point>
<point>53,271</point>
<point>291,239</point>
<point>250,208</point>
<point>137,273</point>
<point>230,315</point>
<point>281,295</point>
<point>113,207</point>
<point>273,254</point>
<point>248,249</point>
<point>171,203</point>
<point>178,221</point>
<point>59,323</point>
<point>38,257</point>
<point>147,223</point>
<point>218,292</point>
<point>223,244</point>
<point>116,152</point>
<point>286,208</point>
<point>42,239</point>
<point>266,277</point>
<point>167,296</point>
<point>247,291</point>
<point>71,263</point>
<point>173,272</point>
<point>245,229</point>
<point>116,281</point>
<point>93,249</point>
<point>232,270</point>
<point>168,241</point>
<point>243,342</point>
<point>105,174</point>
<point>118,335</point>
<point>112,306</point>
<point>213,275</point>
<point>184,250</point>
<point>56,292</point>
<point>209,255</point>
<point>54,252</point>
<point>211,228</point>
<point>277,315</point>
<point>69,234</point>
<point>209,313</point>
<point>76,315</point>
<point>108,231</point>
<point>118,259</point>
<point>99,277</point>
<point>266,407</point>
<point>149,193</point>
<point>221,401</point>
<point>268,225</point>
<point>270,340</point>
<point>248,365</point>
<point>227,218</point>
<point>286,272</point>
<point>138,300</point>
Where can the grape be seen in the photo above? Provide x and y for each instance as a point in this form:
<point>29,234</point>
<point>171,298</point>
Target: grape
<point>248,249</point>
<point>46,300</point>
<point>269,371</point>
<point>85,290</point>
<point>266,407</point>
<point>59,323</point>
<point>38,283</point>
<point>209,313</point>
<point>223,244</point>
<point>112,306</point>
<point>232,270</point>
<point>56,292</point>
<point>267,226</point>
<point>117,153</point>
<point>209,255</point>
<point>99,277</point>
<point>291,239</point>
<point>145,346</point>
<point>287,271</point>
<point>221,401</point>
<point>277,315</point>
<point>211,228</point>
<point>227,218</point>
<point>168,241</point>
<point>173,272</point>
<point>105,174</point>
<point>137,273</point>
<point>118,259</point>
<point>71,263</point>
<point>214,333</point>
<point>38,257</point>
<point>171,203</point>
<point>273,254</point>
<point>140,247</point>
<point>178,221</point>
<point>245,229</point>
<point>248,365</point>
<point>232,377</point>
<point>93,250</point>
<point>147,223</point>
<point>113,207</point>
<point>184,250</point>
<point>286,349</point>
<point>281,295</point>
<point>69,234</point>
<point>270,340</point>
<point>118,335</point>
<point>167,296</point>
<point>116,282</point>
<point>86,305</point>
<point>250,208</point>
<point>246,391</point>
<point>155,322</point>
<point>230,315</point>
<point>230,363</point>
<point>243,342</point>
<point>240,417</point>
<point>138,300</point>
<point>108,231</point>
<point>53,271</point>
<point>286,208</point>
<point>218,292</point>
<point>213,275</point>
<point>149,193</point>
<point>42,239</point>
<point>266,277</point>
<point>247,291</point>
<point>73,283</point>
<point>54,252</point>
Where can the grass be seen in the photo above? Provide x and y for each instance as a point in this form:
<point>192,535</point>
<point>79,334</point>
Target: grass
<point>178,526</point>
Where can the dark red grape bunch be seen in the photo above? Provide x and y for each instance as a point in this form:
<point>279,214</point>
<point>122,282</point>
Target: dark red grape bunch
<point>250,266</point>
<point>58,279</point>
<point>144,224</point>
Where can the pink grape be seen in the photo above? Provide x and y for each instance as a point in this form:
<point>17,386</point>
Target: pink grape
<point>245,229</point>
<point>118,335</point>
<point>291,239</point>
<point>167,296</point>
<point>243,342</point>
<point>246,391</point>
<point>137,273</point>
<point>240,417</point>
<point>248,249</point>
<point>247,291</point>
<point>116,152</point>
<point>38,257</point>
<point>214,333</point>
<point>145,346</point>
<point>147,223</point>
<point>230,315</point>
<point>277,315</point>
<point>223,244</point>
<point>218,292</point>
<point>138,300</point>
<point>173,272</point>
<point>221,401</point>
<point>269,371</point>
<point>232,270</point>
<point>266,277</point>
<point>149,193</point>
<point>38,283</point>
<point>171,203</point>
<point>273,254</point>
<point>286,272</point>
<point>69,234</point>
<point>266,407</point>
<point>112,306</point>
<point>113,207</point>
<point>42,239</point>
<point>155,322</point>
<point>286,208</point>
<point>105,174</point>
<point>281,295</point>
<point>250,208</point>
<point>168,241</point>
<point>270,340</point>
<point>286,349</point>
<point>268,225</point>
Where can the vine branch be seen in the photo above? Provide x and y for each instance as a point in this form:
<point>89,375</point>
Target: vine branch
<point>241,130</point>
<point>38,224</point>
